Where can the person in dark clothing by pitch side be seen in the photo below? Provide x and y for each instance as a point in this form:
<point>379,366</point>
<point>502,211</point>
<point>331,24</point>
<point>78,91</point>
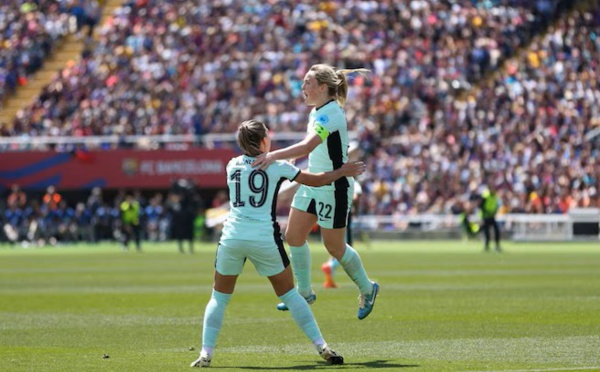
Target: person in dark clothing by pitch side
<point>184,202</point>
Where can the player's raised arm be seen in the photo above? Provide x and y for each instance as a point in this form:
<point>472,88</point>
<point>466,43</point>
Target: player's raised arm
<point>351,169</point>
<point>294,151</point>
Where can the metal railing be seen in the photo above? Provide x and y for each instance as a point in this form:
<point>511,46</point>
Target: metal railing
<point>26,142</point>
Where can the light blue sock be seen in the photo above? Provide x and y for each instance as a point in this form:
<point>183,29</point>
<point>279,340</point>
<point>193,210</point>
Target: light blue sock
<point>301,267</point>
<point>354,268</point>
<point>213,318</point>
<point>303,316</point>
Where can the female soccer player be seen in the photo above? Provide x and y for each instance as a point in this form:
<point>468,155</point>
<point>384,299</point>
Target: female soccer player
<point>329,267</point>
<point>251,232</point>
<point>326,145</point>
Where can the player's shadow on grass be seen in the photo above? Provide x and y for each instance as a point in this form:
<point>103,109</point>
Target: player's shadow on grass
<point>320,365</point>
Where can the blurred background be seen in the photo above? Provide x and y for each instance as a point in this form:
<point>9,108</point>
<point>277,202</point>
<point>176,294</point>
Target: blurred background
<point>107,101</point>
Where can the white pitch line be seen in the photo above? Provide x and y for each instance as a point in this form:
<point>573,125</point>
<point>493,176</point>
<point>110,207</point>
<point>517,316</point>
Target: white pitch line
<point>546,369</point>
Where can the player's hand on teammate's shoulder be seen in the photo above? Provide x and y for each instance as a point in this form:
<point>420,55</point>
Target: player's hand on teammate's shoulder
<point>263,160</point>
<point>353,168</point>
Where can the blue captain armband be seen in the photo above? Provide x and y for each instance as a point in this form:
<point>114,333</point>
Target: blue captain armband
<point>321,131</point>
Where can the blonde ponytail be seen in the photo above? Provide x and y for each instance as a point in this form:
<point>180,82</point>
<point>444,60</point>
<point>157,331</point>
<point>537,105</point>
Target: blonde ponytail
<point>336,81</point>
<point>342,89</point>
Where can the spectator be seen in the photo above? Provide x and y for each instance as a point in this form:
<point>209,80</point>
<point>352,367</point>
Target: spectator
<point>82,228</point>
<point>105,222</point>
<point>17,197</point>
<point>35,216</point>
<point>92,15</point>
<point>65,222</point>
<point>93,204</point>
<point>13,223</point>
<point>51,198</point>
<point>154,214</point>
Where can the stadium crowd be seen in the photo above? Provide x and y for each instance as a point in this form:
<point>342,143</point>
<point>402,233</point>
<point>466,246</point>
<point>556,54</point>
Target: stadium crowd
<point>523,129</point>
<point>29,31</point>
<point>227,63</point>
<point>462,93</point>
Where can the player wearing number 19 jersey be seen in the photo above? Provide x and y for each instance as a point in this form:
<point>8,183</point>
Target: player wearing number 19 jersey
<point>252,233</point>
<point>253,198</point>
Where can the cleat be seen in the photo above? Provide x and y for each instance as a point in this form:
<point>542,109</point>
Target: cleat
<point>330,356</point>
<point>366,302</point>
<point>326,269</point>
<point>329,284</point>
<point>310,300</point>
<point>202,361</point>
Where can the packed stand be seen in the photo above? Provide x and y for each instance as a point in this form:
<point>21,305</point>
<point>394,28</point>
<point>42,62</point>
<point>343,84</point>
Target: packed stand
<point>231,60</point>
<point>524,130</point>
<point>29,31</point>
<point>434,121</point>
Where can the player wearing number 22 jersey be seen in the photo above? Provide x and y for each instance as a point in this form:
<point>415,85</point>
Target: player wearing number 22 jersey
<point>325,89</point>
<point>331,203</point>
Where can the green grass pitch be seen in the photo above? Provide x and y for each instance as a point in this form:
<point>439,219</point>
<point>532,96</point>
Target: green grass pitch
<point>443,306</point>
